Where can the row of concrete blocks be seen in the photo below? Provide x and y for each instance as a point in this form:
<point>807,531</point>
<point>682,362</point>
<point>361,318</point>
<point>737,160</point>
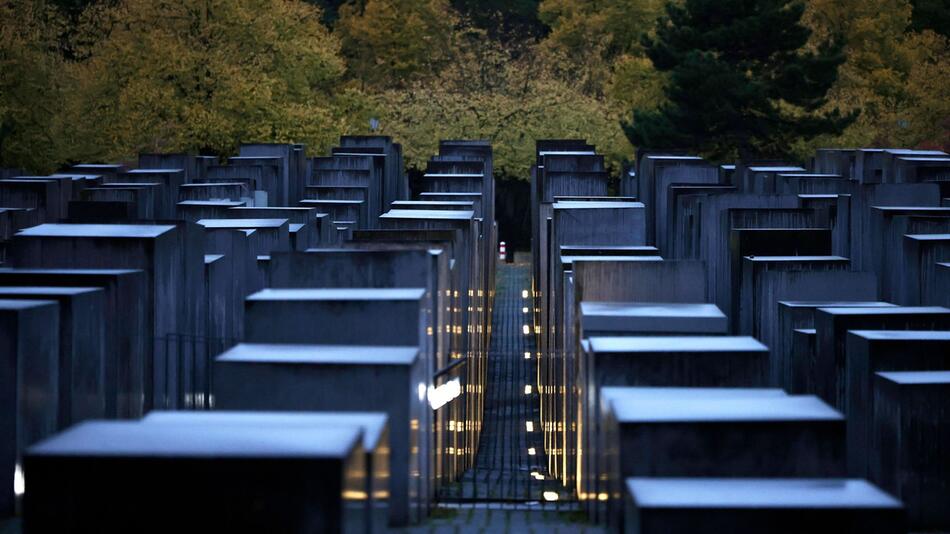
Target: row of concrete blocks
<point>438,249</point>
<point>695,210</point>
<point>663,445</point>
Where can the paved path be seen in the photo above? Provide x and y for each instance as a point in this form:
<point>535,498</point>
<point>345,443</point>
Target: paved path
<point>505,490</point>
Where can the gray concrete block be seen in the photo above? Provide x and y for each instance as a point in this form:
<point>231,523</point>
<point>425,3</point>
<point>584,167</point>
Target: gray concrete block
<point>121,476</point>
<point>374,426</point>
<point>29,384</point>
<point>701,505</point>
<point>322,377</point>
<point>128,338</point>
<point>870,351</point>
<point>82,362</point>
<point>910,436</point>
<point>832,325</point>
<point>790,362</point>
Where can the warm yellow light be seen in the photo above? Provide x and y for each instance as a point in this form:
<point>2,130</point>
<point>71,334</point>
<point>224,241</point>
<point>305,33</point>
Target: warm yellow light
<point>354,495</point>
<point>529,425</point>
<point>602,497</point>
<point>527,389</point>
<point>550,496</point>
<point>525,329</point>
<point>524,293</point>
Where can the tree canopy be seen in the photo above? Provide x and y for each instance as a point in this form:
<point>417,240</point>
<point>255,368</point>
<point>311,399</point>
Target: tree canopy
<point>100,80</point>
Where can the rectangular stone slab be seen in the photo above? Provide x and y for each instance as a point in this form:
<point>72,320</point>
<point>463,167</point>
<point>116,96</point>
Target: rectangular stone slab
<point>82,362</point>
<point>800,314</point>
<point>832,325</point>
<point>374,426</point>
<point>616,318</point>
<point>308,378</point>
<point>747,506</point>
<point>910,436</point>
<point>868,352</point>
<point>29,383</point>
<point>122,476</point>
<point>128,338</point>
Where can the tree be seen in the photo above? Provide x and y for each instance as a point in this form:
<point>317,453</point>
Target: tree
<point>896,77</point>
<point>741,82</point>
<point>32,86</point>
<point>205,75</point>
<point>509,98</point>
<point>390,43</point>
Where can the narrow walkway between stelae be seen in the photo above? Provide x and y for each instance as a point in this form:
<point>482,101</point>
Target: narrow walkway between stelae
<point>508,489</point>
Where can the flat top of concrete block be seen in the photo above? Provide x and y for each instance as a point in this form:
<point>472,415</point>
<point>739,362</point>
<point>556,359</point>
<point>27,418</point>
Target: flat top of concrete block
<point>154,171</point>
<point>582,248</point>
<point>124,439</point>
<point>836,304</point>
<point>925,159</point>
<point>757,493</point>
<point>806,331</point>
<point>242,223</point>
<point>372,423</point>
<point>26,180</point>
<point>644,309</point>
<point>916,377</point>
<point>92,272</point>
<point>210,185</point>
<point>915,151</point>
<point>319,354</point>
<point>795,258</point>
<point>329,201</point>
<point>654,393</point>
<point>211,258</point>
<point>15,304</point>
<point>97,166</point>
<point>130,185</point>
<point>451,175</point>
<point>809,175</point>
<point>295,227</point>
<point>816,195</point>
<point>928,237</point>
<point>900,210</point>
<point>432,203</point>
<point>728,167</point>
<point>700,410</point>
<point>243,158</point>
<point>633,344</point>
<point>251,209</point>
<point>46,290</point>
<point>449,194</point>
<point>138,231</point>
<point>569,260</point>
<point>263,257</point>
<point>567,153</point>
<point>458,215</point>
<point>903,335</point>
<point>895,310</point>
<point>214,203</point>
<point>79,176</point>
<point>689,158</point>
<point>339,294</point>
<point>595,204</point>
<point>776,168</point>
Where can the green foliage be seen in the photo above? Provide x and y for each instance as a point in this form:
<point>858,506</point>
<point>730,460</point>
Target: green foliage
<point>487,93</point>
<point>31,86</point>
<point>897,79</point>
<point>206,75</point>
<point>741,82</point>
<point>389,43</point>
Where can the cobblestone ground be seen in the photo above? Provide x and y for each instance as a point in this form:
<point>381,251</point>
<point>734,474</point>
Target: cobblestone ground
<point>505,490</point>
